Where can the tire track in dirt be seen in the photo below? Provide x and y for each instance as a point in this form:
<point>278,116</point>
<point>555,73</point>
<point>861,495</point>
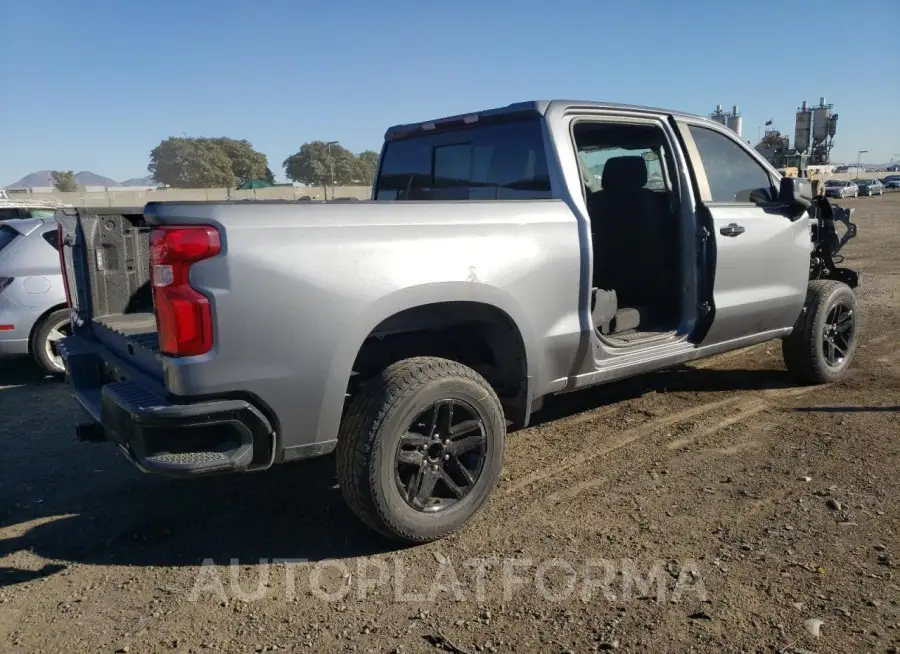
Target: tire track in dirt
<point>741,408</point>
<point>744,412</point>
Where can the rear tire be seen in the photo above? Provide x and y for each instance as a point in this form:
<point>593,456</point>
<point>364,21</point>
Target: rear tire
<point>53,327</point>
<point>821,347</point>
<point>403,465</point>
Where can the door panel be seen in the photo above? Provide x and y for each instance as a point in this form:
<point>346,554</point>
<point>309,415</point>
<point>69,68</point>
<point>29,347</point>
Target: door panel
<point>761,255</point>
<point>760,275</point>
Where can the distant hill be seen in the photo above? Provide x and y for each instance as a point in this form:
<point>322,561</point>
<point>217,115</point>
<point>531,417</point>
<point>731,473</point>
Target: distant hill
<point>43,178</point>
<point>139,181</point>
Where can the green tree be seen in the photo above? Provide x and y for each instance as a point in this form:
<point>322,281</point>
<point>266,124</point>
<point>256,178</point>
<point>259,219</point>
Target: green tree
<point>269,176</point>
<point>317,163</point>
<point>772,139</point>
<point>190,163</point>
<point>64,180</point>
<point>368,163</point>
<point>183,162</point>
<point>246,163</point>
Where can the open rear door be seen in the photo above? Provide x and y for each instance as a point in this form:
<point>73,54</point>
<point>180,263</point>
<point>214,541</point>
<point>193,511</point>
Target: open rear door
<point>758,255</point>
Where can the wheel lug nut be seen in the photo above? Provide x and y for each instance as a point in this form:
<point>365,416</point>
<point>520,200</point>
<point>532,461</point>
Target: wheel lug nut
<point>446,457</point>
<point>447,442</point>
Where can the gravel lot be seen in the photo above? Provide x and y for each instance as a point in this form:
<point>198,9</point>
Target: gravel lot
<point>764,506</point>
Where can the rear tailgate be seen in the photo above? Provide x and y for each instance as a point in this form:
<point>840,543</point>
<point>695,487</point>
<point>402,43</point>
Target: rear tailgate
<point>106,259</point>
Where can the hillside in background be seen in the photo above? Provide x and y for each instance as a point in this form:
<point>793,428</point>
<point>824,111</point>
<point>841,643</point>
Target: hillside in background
<point>139,181</point>
<point>85,178</point>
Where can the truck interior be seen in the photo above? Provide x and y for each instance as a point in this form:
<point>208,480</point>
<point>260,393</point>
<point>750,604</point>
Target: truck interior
<point>635,218</point>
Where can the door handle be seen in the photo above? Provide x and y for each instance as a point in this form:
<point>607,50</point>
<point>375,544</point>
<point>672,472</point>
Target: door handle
<point>732,230</point>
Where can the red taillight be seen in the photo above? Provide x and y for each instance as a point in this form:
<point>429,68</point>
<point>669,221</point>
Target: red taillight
<point>62,264</point>
<point>183,315</point>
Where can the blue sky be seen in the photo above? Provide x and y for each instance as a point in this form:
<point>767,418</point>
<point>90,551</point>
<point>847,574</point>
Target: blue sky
<point>96,84</point>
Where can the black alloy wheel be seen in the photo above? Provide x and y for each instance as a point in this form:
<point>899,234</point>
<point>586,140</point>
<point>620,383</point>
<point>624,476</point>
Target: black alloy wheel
<point>441,456</point>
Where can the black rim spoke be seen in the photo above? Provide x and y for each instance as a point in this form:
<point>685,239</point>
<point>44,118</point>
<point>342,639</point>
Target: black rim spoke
<point>458,492</point>
<point>839,333</point>
<point>411,439</point>
<point>411,457</point>
<point>465,427</point>
<point>457,465</point>
<point>440,458</point>
<point>419,492</point>
<point>466,444</point>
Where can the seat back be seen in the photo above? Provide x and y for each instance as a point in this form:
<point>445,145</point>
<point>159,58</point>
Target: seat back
<point>628,232</point>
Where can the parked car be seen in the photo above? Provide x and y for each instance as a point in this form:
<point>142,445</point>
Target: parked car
<point>891,181</point>
<point>12,209</point>
<point>872,186</point>
<point>33,314</point>
<point>489,271</point>
<point>837,188</point>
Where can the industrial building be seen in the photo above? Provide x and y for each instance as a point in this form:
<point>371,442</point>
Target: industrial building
<point>814,130</point>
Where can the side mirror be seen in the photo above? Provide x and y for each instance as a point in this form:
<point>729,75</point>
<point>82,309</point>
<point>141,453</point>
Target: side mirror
<point>796,193</point>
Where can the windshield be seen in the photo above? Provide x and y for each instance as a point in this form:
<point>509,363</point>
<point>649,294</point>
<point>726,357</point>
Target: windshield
<point>835,182</point>
<point>500,161</point>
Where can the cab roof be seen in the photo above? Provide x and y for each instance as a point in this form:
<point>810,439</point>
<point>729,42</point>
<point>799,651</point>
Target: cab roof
<point>535,107</point>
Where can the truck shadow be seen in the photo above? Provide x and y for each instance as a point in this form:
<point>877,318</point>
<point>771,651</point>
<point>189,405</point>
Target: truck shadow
<point>129,519</point>
<point>682,379</point>
<point>72,502</point>
<point>19,371</point>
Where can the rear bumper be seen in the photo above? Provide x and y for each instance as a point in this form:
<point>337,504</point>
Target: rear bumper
<point>184,439</point>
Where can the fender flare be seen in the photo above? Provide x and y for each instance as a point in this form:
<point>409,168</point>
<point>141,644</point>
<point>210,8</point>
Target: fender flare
<point>371,316</point>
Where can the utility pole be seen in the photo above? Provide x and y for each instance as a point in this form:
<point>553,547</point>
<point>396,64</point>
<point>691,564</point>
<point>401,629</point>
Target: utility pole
<point>858,155</point>
<point>331,165</point>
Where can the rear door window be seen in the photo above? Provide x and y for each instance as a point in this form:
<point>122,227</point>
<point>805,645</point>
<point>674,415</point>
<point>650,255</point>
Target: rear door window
<point>10,213</point>
<point>52,238</point>
<point>501,161</point>
<point>7,235</point>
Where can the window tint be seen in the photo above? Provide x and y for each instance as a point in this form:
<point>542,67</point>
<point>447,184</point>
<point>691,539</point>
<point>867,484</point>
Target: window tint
<point>7,235</point>
<point>52,238</point>
<point>8,214</point>
<point>734,176</point>
<point>503,161</point>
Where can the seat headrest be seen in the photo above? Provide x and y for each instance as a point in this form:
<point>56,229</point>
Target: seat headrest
<point>624,174</point>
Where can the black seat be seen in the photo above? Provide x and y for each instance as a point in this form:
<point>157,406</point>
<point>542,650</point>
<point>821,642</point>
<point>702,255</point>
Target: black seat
<point>628,224</point>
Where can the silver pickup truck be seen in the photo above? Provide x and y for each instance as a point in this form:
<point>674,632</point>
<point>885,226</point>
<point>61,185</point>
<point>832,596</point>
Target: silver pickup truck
<point>505,256</point>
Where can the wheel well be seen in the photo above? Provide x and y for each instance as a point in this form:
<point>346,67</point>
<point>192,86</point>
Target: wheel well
<point>37,324</point>
<point>477,335</point>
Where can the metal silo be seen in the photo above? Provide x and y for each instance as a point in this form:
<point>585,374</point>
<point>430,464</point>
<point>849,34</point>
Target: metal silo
<point>821,115</point>
<point>802,128</point>
<point>735,121</point>
<point>719,115</point>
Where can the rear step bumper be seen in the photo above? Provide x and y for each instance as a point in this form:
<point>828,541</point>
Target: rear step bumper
<point>179,440</point>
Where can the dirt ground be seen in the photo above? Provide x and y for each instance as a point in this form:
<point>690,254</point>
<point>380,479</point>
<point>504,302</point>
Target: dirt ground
<point>715,508</point>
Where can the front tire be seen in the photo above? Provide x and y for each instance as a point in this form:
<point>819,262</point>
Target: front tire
<point>821,347</point>
<point>420,448</point>
<point>51,329</point>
